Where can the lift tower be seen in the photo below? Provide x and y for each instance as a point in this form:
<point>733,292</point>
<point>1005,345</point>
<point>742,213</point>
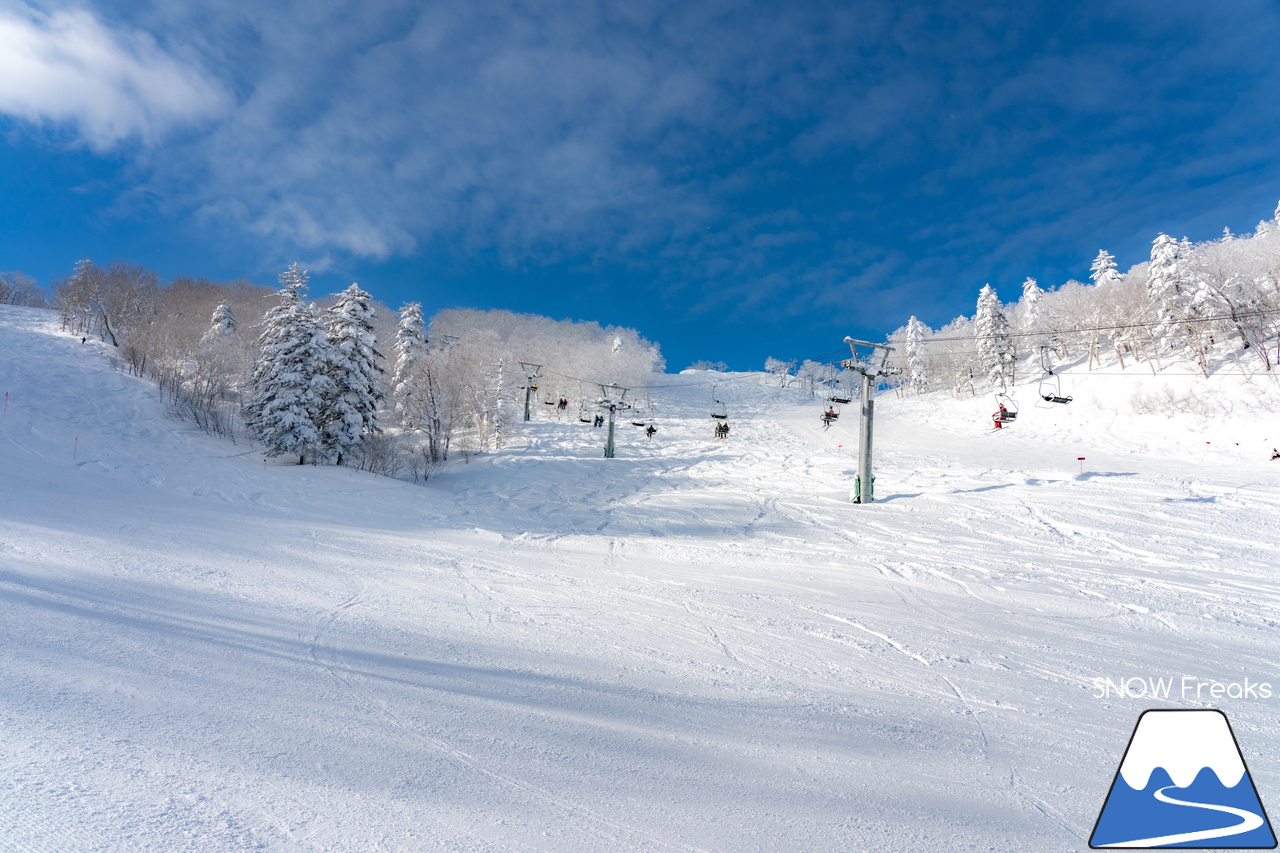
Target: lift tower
<point>865,485</point>
<point>612,397</point>
<point>531,372</point>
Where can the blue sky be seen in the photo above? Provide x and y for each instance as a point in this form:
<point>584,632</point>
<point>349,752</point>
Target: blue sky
<point>735,180</point>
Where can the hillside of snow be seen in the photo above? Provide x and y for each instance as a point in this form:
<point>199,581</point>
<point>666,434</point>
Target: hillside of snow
<point>695,646</point>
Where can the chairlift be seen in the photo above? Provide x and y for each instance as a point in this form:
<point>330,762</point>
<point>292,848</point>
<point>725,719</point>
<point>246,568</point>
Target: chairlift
<point>831,413</point>
<point>718,411</point>
<point>643,415</point>
<point>1050,389</point>
<point>1006,410</point>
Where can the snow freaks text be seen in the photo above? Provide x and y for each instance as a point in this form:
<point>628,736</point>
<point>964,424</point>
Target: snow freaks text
<point>1184,687</point>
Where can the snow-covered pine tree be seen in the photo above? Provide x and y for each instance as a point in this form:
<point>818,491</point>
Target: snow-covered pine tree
<point>223,324</point>
<point>918,379</point>
<point>1103,269</point>
<point>1177,302</point>
<point>410,347</point>
<point>994,340</point>
<point>285,408</point>
<point>1268,226</point>
<point>1030,315</point>
<point>352,365</point>
<point>1163,285</point>
<point>1032,292</point>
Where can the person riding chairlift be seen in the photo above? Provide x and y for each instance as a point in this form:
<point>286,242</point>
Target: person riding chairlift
<point>1000,416</point>
<point>1275,454</point>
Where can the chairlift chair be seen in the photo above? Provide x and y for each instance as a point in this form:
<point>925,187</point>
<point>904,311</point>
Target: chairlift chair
<point>1051,392</point>
<point>1006,410</point>
<point>1050,389</point>
<point>718,411</point>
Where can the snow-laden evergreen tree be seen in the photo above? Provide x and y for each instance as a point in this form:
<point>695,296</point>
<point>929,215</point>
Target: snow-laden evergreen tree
<point>285,409</point>
<point>918,379</point>
<point>354,393</point>
<point>1163,282</point>
<point>1178,303</point>
<point>410,348</point>
<point>994,339</point>
<point>1103,270</point>
<point>1030,314</point>
<point>223,325</point>
<point>1032,293</point>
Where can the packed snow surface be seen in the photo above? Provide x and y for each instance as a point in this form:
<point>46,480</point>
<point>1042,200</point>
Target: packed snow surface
<point>699,645</point>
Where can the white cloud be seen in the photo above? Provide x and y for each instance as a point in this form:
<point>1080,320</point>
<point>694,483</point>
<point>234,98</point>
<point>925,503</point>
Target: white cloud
<point>68,69</point>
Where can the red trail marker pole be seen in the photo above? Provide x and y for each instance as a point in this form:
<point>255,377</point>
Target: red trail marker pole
<point>1081,459</point>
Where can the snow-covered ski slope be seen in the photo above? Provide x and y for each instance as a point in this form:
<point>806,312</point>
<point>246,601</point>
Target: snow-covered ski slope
<point>695,646</point>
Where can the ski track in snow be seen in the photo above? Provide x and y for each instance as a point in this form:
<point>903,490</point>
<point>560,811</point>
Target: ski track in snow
<point>698,645</point>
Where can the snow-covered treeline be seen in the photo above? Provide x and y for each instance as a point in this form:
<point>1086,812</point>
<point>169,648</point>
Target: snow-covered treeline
<point>19,289</point>
<point>569,351</point>
<point>574,358</point>
<point>1210,303</point>
<point>184,335</point>
<point>337,379</point>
